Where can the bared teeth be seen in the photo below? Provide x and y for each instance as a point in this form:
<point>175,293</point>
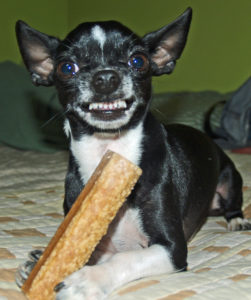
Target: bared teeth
<point>117,104</point>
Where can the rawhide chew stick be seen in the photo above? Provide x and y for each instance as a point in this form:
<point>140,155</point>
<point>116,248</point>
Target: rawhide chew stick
<point>84,226</point>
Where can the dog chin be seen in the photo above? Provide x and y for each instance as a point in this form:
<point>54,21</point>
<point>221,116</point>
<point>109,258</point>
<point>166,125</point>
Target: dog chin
<point>108,115</point>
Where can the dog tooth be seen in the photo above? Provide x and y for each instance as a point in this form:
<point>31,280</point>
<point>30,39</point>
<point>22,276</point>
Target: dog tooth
<point>121,104</point>
<point>117,104</point>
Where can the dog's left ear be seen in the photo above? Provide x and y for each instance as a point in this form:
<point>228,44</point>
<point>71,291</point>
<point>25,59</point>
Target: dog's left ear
<point>166,44</point>
<point>38,51</point>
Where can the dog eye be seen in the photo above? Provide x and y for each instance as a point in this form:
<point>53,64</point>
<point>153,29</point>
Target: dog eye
<point>67,69</point>
<point>139,62</point>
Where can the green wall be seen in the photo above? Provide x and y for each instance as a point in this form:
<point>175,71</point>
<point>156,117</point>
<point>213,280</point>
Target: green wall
<point>46,15</point>
<point>217,55</point>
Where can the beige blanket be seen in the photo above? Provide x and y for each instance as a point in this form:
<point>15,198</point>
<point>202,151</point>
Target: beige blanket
<point>31,196</point>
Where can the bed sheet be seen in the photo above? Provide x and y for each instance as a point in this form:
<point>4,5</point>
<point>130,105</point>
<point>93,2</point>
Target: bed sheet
<point>31,196</point>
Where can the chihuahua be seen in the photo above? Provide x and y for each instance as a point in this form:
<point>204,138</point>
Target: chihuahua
<point>102,72</point>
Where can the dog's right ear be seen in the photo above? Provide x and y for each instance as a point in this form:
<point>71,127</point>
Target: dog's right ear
<point>38,51</point>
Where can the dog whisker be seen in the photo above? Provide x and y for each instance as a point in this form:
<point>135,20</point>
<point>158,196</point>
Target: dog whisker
<point>57,116</point>
<point>161,114</point>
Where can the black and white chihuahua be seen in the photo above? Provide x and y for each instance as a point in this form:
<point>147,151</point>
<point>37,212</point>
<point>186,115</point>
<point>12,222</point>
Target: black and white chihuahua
<point>103,72</point>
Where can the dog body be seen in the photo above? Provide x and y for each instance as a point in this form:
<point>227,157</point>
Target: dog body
<point>102,72</point>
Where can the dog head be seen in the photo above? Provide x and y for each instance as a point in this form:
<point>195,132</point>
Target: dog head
<point>102,70</point>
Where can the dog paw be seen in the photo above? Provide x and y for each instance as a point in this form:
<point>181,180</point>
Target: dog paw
<point>86,284</point>
<point>24,270</point>
<point>239,224</point>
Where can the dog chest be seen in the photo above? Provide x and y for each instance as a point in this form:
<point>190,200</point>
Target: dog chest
<point>125,233</point>
<point>89,149</point>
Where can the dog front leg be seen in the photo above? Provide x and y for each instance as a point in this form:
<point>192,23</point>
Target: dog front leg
<point>73,184</point>
<point>97,282</point>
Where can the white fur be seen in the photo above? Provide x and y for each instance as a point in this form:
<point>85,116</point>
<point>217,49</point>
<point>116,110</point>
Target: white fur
<point>67,128</point>
<point>238,224</point>
<point>86,93</point>
<point>127,86</point>
<point>125,233</point>
<point>97,282</point>
<point>99,35</point>
<point>89,150</point>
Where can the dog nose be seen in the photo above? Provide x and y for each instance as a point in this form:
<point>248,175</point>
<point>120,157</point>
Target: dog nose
<point>106,81</point>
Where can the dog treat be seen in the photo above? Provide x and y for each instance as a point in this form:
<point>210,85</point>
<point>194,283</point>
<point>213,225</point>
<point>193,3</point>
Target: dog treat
<point>84,226</point>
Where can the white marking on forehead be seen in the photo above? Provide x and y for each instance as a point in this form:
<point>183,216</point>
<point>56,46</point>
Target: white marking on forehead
<point>99,35</point>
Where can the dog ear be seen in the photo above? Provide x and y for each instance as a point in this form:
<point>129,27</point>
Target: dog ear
<point>38,50</point>
<point>166,44</point>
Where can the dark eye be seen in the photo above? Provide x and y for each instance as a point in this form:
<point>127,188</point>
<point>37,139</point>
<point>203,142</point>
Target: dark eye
<point>139,62</point>
<point>67,69</point>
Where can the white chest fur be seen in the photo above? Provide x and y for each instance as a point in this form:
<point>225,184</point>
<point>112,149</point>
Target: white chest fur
<point>125,232</point>
<point>89,150</point>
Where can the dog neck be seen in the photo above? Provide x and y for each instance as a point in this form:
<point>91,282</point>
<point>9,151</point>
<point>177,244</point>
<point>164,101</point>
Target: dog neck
<point>89,149</point>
